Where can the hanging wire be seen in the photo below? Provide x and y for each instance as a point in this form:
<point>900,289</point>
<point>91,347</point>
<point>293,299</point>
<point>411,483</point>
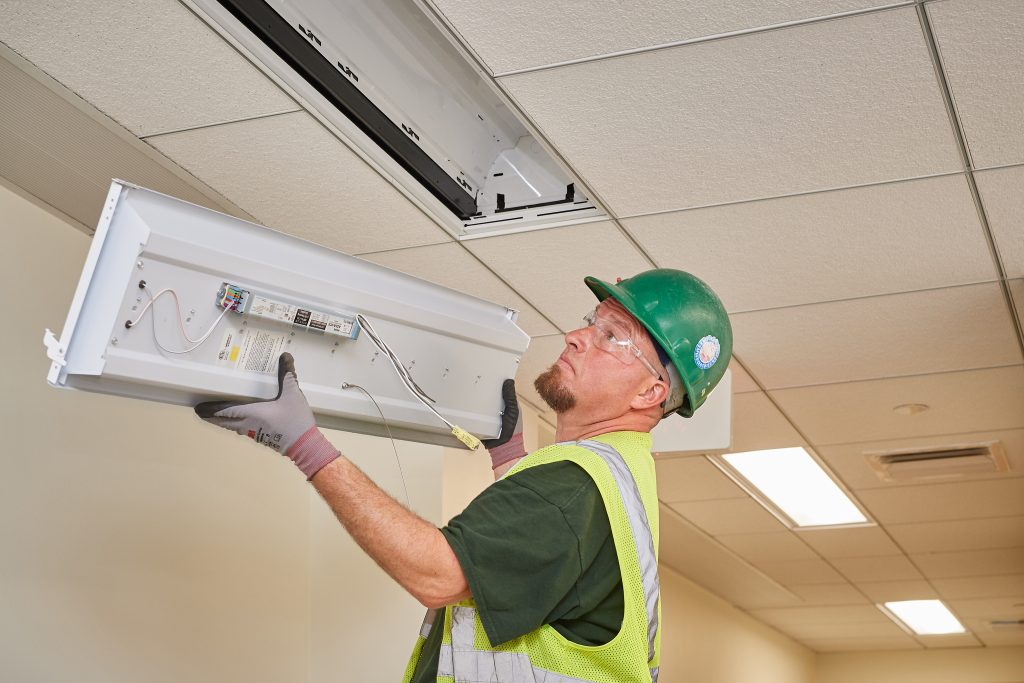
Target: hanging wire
<point>394,447</point>
<point>196,343</point>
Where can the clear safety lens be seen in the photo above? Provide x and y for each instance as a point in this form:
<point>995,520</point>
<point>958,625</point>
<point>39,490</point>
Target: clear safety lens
<point>616,341</point>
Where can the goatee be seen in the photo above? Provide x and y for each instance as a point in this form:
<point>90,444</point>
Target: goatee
<point>549,385</point>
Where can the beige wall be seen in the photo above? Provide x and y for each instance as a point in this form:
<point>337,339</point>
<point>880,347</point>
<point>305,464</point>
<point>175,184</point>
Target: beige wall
<point>706,640</point>
<point>966,665</point>
<point>140,544</point>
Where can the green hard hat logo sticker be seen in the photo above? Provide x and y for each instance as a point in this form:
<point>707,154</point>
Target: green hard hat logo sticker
<point>706,353</point>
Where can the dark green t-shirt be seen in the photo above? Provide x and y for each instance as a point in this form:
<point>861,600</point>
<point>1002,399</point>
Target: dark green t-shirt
<point>536,549</point>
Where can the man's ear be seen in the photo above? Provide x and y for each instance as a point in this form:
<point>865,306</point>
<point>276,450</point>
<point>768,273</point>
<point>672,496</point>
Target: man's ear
<point>654,395</point>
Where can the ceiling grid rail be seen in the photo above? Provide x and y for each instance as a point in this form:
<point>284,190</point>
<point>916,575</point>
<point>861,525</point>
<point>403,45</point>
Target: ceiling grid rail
<point>968,163</point>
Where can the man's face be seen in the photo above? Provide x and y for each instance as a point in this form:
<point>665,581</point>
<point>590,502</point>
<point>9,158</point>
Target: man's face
<point>593,381</point>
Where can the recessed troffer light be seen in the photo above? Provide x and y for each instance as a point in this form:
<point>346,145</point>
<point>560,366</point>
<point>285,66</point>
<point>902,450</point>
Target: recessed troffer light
<point>395,84</point>
<point>792,484</point>
<point>924,617</point>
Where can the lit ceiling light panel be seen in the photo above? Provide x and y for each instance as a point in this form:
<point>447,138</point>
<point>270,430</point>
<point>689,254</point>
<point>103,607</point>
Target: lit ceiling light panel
<point>789,481</point>
<point>924,617</point>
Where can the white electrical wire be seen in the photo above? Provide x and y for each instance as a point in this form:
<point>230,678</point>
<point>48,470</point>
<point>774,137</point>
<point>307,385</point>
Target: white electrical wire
<point>403,372</point>
<point>394,447</point>
<point>196,343</point>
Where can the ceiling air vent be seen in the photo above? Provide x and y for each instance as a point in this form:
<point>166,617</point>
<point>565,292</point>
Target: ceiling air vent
<point>953,462</point>
<point>1006,624</point>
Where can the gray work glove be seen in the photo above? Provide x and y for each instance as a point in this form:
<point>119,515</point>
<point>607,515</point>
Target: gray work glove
<point>508,445</point>
<point>284,423</point>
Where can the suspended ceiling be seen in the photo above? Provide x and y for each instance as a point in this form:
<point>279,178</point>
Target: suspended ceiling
<point>855,197</point>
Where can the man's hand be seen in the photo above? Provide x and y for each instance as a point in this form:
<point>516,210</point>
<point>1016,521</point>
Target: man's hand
<point>284,423</point>
<point>508,445</point>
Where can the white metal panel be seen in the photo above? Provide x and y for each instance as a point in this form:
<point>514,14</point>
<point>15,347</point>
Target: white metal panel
<point>708,431</point>
<point>458,348</point>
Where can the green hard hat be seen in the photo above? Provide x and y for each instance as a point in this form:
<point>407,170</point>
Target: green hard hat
<point>685,318</point>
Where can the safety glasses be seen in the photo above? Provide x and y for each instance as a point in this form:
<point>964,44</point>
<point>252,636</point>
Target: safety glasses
<point>613,339</point>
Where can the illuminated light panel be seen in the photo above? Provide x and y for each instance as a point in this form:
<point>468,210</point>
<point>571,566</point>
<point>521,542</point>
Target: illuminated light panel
<point>796,485</point>
<point>925,617</point>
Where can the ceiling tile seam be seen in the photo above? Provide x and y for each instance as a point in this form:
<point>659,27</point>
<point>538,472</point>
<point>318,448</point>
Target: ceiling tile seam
<point>837,477</point>
<point>998,167</point>
<point>990,518</point>
<point>706,39</point>
<point>939,435</point>
<point>214,124</point>
<point>901,292</point>
<point>888,377</point>
<point>729,551</point>
<point>961,139</point>
<point>803,193</point>
<point>45,206</point>
<point>90,111</point>
<point>962,551</point>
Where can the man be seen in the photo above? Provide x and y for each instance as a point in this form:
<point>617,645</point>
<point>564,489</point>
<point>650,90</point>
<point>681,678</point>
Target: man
<point>551,573</point>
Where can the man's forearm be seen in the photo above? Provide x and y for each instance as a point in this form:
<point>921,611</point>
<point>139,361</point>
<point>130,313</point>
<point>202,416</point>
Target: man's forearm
<point>411,550</point>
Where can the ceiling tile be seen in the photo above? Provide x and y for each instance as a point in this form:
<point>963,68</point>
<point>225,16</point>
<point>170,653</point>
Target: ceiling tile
<point>980,45</point>
<point>1002,192</point>
<point>994,562</point>
<point>541,354</point>
<point>532,33</point>
<point>548,266</point>
<point>888,568</point>
<point>758,425</point>
<point>951,640</point>
<point>900,334</point>
<point>959,534</point>
<point>693,478</point>
<point>949,501</point>
<point>973,400</point>
<point>152,67</point>
<point>849,461</point>
<point>771,547</point>
<point>888,642</point>
<point>1001,638</point>
<point>731,516</point>
<point>885,236</point>
<point>741,379</point>
<point>980,586</point>
<point>294,176</point>
<point>856,102</point>
<point>703,560</point>
<point>828,594</point>
<point>1011,607</point>
<point>452,266</point>
<point>799,572</point>
<point>1017,291</point>
<point>890,591</point>
<point>867,541</point>
<point>849,614</point>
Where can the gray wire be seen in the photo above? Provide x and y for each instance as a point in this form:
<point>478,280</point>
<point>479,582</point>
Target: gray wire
<point>349,385</point>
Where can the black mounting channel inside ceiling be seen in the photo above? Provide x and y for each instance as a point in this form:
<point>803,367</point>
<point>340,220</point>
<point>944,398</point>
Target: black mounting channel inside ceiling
<point>300,55</point>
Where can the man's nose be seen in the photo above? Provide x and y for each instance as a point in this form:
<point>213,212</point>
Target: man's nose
<point>578,339</point>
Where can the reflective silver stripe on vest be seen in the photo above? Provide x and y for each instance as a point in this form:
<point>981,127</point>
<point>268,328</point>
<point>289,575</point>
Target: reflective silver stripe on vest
<point>475,666</point>
<point>428,622</point>
<point>642,536</point>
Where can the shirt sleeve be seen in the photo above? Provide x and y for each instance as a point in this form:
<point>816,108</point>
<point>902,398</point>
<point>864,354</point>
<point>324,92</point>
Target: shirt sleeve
<point>520,555</point>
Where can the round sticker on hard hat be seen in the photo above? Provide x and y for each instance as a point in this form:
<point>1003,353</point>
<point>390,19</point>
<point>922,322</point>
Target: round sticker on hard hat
<point>706,353</point>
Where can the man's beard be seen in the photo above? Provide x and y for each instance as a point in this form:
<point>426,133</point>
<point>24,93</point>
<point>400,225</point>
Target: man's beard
<point>548,384</point>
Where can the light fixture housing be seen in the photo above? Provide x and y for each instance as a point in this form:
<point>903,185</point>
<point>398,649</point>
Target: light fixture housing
<point>395,84</point>
<point>923,617</point>
<point>794,486</point>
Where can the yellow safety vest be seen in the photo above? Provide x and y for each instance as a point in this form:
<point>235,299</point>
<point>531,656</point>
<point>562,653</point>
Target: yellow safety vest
<point>621,465</point>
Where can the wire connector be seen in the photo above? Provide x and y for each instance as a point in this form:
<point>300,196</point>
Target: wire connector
<point>472,443</point>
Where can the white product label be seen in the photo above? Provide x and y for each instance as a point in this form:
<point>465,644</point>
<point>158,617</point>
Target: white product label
<point>339,326</point>
<point>273,310</point>
<point>259,350</point>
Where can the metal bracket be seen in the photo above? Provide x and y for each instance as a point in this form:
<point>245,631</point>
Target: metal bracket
<point>54,351</point>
